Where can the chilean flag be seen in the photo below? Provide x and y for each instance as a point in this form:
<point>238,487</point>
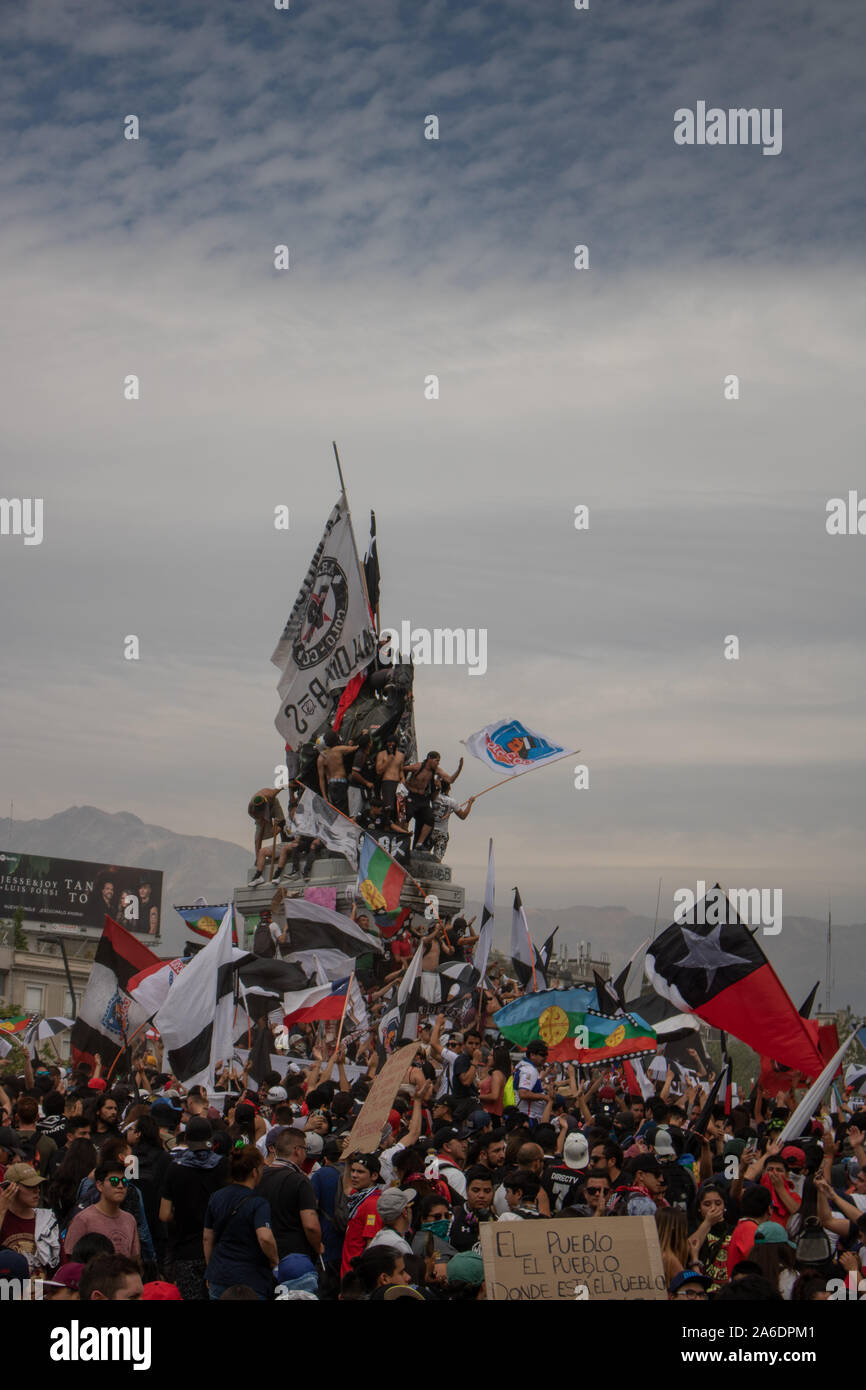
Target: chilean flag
<point>331,1005</point>
<point>709,963</point>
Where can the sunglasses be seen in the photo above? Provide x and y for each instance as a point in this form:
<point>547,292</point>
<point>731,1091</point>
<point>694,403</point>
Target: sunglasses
<point>118,1181</point>
<point>595,1191</point>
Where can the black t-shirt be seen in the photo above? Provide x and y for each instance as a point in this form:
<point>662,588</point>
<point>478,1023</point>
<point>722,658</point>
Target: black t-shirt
<point>289,1192</point>
<point>563,1185</point>
<point>459,1087</point>
<point>189,1188</point>
<point>453,935</point>
<point>680,1190</point>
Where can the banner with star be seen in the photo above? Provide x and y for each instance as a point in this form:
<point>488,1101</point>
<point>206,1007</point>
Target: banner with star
<point>708,963</point>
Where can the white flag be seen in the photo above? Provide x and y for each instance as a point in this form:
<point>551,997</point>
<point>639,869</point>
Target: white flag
<point>510,747</point>
<point>319,819</point>
<point>329,636</point>
<point>796,1125</point>
<point>481,955</point>
<point>196,1019</point>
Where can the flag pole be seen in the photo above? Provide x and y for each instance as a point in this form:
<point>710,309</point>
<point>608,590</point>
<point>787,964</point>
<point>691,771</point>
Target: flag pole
<point>343,1015</point>
<point>361,573</point>
<point>571,754</point>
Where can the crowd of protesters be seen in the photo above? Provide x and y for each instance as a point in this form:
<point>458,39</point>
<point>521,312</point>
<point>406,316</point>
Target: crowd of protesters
<point>406,807</point>
<point>140,1189</point>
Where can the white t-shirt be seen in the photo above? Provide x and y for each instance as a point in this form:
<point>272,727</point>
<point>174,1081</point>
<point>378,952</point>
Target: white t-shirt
<point>386,1165</point>
<point>448,1060</point>
<point>526,1078</point>
<point>442,809</point>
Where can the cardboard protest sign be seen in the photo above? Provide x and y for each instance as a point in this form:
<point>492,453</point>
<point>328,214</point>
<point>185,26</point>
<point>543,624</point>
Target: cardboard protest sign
<point>563,1261</point>
<point>367,1130</point>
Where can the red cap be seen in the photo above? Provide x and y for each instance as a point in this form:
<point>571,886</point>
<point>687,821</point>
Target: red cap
<point>97,1084</point>
<point>159,1289</point>
<point>795,1155</point>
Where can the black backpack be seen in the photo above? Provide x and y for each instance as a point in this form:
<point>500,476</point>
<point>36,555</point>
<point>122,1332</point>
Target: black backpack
<point>263,942</point>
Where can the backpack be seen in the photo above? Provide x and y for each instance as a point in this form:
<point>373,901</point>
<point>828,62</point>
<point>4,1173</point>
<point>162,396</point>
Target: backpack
<point>263,942</point>
<point>813,1244</point>
<point>508,1096</point>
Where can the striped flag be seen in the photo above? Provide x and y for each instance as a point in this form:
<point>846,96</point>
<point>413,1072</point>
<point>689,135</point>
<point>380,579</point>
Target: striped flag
<point>108,1017</point>
<point>334,939</point>
<point>380,878</point>
<point>459,979</point>
<point>481,954</point>
<point>409,999</point>
<point>331,1005</point>
<point>150,987</point>
<point>524,957</point>
<point>196,1019</point>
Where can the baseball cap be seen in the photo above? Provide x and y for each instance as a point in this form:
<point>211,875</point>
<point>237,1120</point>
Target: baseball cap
<point>68,1276</point>
<point>394,1202</point>
<point>664,1146</point>
<point>443,1135</point>
<point>23,1174</point>
<point>607,1093</point>
<point>315,1144</point>
<point>792,1154</point>
<point>771,1233</point>
<point>689,1276</point>
<point>13,1264</point>
<point>159,1290</point>
<point>97,1084</point>
<point>198,1131</point>
<point>646,1163</point>
<point>277,1094</point>
<point>575,1151</point>
<point>465,1268</point>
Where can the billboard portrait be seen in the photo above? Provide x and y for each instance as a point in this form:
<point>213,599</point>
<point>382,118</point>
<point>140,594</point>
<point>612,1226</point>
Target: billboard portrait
<point>74,893</point>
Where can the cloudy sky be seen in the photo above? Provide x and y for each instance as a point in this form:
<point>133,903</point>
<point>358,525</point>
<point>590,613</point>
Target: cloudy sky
<point>558,387</point>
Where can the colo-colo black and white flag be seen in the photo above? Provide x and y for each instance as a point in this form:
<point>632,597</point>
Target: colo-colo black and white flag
<point>481,954</point>
<point>317,933</point>
<point>409,1000</point>
<point>318,818</point>
<point>329,635</point>
<point>196,1019</point>
<point>524,957</point>
<point>108,1017</point>
<point>458,979</point>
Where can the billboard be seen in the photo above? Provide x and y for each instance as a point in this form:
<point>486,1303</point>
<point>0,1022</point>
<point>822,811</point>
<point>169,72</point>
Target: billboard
<point>72,893</point>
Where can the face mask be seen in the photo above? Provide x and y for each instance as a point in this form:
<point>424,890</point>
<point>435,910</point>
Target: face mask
<point>437,1228</point>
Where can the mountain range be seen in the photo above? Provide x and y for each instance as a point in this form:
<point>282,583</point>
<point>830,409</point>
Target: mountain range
<point>196,865</point>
